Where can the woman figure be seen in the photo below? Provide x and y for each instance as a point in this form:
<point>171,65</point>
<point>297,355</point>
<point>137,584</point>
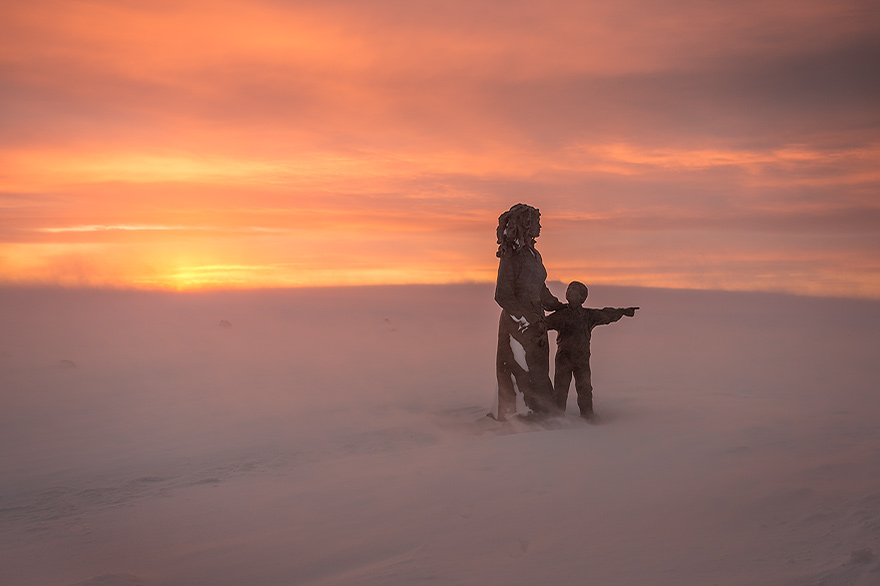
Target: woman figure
<point>523,359</point>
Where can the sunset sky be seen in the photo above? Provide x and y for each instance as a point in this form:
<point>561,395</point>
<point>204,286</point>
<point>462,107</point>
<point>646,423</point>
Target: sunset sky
<point>188,143</point>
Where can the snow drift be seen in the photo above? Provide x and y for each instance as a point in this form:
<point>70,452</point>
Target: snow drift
<point>337,436</point>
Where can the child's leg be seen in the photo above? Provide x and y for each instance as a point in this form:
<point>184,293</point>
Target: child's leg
<point>584,385</point>
<point>562,381</point>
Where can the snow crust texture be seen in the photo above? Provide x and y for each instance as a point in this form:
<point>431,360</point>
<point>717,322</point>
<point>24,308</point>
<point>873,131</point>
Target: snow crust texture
<point>338,437</point>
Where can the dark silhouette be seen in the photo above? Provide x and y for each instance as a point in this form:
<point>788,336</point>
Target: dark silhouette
<point>574,325</point>
<point>523,359</point>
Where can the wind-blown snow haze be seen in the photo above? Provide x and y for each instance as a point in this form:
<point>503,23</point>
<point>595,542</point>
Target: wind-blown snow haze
<point>338,436</point>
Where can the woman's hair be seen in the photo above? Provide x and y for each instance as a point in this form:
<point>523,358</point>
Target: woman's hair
<point>514,228</point>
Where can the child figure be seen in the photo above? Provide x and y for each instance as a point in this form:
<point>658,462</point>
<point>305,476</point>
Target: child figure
<point>574,325</point>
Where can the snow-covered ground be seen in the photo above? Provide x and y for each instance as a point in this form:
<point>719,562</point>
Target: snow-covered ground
<point>338,437</point>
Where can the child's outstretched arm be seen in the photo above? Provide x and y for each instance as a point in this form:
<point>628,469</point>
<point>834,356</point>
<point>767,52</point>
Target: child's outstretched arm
<point>609,315</point>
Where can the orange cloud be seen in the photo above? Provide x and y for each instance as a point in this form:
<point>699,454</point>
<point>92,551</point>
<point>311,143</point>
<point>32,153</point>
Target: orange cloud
<point>186,144</point>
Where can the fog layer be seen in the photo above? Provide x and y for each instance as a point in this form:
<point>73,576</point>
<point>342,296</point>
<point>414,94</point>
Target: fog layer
<point>338,436</point>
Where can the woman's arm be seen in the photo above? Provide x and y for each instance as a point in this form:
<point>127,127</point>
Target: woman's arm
<point>505,287</point>
<point>549,301</point>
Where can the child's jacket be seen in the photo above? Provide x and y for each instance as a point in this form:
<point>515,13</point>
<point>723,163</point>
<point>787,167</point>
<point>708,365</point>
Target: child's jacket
<point>575,324</point>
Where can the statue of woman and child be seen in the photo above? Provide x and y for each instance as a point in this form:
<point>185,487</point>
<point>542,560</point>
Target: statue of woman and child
<point>523,359</point>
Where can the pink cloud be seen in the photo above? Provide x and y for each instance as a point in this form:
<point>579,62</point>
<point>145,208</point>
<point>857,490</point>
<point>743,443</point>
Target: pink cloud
<point>414,126</point>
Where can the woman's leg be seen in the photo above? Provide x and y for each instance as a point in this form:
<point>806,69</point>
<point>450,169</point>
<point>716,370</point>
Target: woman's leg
<point>540,397</point>
<point>504,372</point>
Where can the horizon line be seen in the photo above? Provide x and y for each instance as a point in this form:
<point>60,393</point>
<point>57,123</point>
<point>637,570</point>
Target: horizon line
<point>120,288</point>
